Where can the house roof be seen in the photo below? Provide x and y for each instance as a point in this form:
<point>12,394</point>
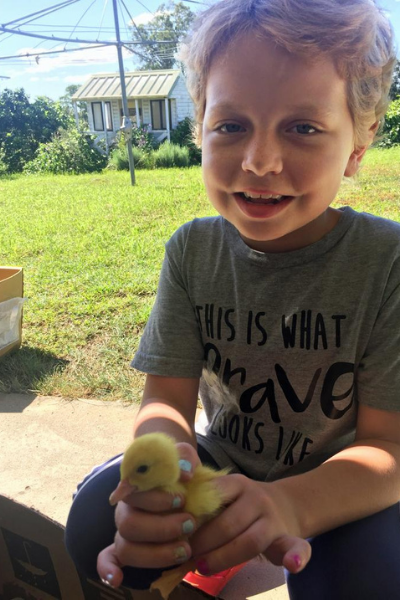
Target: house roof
<point>139,84</point>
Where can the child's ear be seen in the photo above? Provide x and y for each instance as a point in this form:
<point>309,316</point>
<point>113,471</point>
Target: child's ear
<point>358,154</point>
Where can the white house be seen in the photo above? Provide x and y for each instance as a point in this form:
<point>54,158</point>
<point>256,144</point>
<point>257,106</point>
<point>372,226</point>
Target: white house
<point>156,98</point>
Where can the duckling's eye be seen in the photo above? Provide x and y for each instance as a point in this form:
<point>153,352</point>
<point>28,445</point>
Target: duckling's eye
<point>142,469</point>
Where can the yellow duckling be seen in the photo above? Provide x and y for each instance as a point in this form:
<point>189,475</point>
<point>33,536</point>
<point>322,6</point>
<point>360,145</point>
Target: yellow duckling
<point>152,461</point>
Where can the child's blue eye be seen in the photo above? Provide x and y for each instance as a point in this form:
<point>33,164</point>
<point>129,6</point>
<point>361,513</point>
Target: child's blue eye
<point>231,128</point>
<point>305,129</point>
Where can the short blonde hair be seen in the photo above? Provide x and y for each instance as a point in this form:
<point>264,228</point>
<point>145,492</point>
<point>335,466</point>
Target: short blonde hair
<point>356,34</point>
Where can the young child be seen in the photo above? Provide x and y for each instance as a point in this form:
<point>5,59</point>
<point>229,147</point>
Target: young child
<point>282,313</point>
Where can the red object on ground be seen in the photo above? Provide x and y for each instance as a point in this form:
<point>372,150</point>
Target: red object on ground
<point>212,584</point>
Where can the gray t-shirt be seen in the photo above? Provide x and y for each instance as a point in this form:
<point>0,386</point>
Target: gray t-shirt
<point>286,344</point>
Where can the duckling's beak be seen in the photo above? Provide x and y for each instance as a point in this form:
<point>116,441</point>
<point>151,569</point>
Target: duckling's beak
<point>122,491</point>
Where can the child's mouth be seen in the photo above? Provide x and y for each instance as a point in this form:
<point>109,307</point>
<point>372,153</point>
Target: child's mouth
<point>261,206</point>
<point>262,200</point>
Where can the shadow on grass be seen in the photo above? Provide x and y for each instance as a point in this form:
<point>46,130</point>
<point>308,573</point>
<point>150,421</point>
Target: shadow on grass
<point>22,371</point>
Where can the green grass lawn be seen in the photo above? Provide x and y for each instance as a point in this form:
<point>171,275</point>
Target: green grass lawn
<point>91,247</point>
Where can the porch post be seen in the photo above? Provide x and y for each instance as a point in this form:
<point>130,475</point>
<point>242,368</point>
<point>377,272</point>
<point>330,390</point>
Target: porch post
<point>103,114</point>
<point>138,123</point>
<point>103,110</point>
<point>75,109</point>
<point>167,119</point>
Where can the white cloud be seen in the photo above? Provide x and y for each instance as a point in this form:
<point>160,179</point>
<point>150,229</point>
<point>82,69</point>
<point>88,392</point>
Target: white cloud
<point>144,18</point>
<point>85,57</point>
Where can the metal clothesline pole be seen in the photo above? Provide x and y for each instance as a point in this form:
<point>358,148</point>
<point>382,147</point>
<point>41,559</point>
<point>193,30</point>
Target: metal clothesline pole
<point>126,122</point>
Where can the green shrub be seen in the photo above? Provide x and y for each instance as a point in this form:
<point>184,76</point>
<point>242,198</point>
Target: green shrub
<point>3,164</point>
<point>171,155</point>
<point>143,144</point>
<point>143,138</point>
<point>183,135</point>
<point>167,156</point>
<point>119,159</point>
<point>69,151</point>
<point>391,129</point>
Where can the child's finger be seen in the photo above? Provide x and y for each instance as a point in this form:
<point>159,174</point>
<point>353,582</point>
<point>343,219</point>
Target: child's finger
<point>245,547</point>
<point>148,555</point>
<point>189,460</point>
<point>144,527</point>
<point>154,501</point>
<point>109,568</point>
<point>291,552</point>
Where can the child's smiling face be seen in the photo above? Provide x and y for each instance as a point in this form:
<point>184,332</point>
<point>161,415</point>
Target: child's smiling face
<point>276,125</point>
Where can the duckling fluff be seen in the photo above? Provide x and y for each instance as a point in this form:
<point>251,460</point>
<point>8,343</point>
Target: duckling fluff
<point>152,461</point>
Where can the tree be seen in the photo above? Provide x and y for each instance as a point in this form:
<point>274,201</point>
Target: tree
<point>46,116</point>
<point>66,103</point>
<point>395,89</point>
<point>171,23</point>
<point>24,125</point>
<point>391,128</point>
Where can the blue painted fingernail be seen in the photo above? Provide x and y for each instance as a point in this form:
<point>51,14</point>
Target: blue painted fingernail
<point>188,527</point>
<point>180,554</point>
<point>176,502</point>
<point>185,465</point>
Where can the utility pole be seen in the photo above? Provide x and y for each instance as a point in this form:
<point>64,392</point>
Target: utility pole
<point>126,122</point>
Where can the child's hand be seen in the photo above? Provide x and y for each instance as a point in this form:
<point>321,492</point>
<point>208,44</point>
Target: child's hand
<point>147,538</point>
<point>256,521</point>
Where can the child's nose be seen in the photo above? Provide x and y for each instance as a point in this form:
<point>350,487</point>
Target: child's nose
<point>263,155</point>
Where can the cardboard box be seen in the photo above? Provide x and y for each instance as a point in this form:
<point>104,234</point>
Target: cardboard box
<point>11,287</point>
<point>34,564</point>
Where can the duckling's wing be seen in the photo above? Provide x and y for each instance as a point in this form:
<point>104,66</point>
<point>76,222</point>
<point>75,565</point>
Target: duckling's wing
<point>203,497</point>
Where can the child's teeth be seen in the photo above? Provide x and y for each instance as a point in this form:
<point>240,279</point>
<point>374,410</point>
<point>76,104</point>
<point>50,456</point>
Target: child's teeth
<point>254,198</point>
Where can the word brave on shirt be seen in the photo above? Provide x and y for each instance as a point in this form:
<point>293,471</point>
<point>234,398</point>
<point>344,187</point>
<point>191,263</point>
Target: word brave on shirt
<point>253,398</point>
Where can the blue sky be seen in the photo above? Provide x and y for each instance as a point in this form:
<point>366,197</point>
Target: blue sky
<point>53,73</point>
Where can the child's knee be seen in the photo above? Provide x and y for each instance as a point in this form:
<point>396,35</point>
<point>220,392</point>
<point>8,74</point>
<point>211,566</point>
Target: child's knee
<point>90,526</point>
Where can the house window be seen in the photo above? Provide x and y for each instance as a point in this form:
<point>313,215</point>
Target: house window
<point>109,123</point>
<point>97,112</point>
<point>158,120</point>
<point>132,113</point>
